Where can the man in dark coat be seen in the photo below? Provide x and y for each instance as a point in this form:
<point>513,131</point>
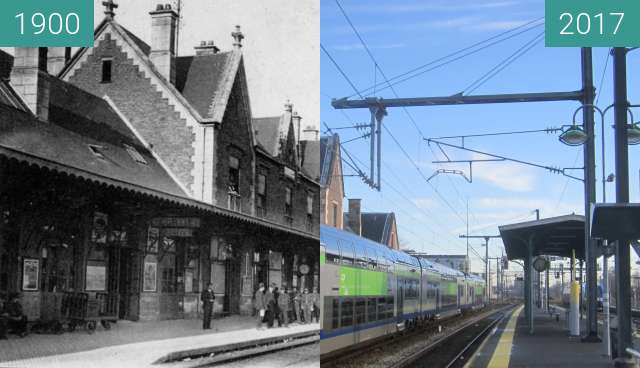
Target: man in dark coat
<point>284,306</point>
<point>207,297</point>
<point>270,300</point>
<point>12,318</point>
<point>260,304</point>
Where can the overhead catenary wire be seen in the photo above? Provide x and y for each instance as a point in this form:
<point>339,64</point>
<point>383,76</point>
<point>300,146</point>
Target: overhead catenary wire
<point>467,51</point>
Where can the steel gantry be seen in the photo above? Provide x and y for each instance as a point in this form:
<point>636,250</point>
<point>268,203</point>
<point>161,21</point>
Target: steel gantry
<point>585,96</point>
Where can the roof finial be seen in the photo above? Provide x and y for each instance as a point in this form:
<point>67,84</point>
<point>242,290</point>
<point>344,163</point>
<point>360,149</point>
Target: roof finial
<point>288,106</point>
<point>109,6</point>
<point>238,37</point>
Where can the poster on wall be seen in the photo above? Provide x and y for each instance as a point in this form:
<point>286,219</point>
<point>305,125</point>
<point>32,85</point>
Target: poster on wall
<point>96,277</point>
<point>99,229</point>
<point>150,276</point>
<point>275,260</point>
<point>30,274</point>
<point>218,271</point>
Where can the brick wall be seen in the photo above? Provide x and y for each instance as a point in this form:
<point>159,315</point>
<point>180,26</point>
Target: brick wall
<point>135,96</point>
<point>233,137</point>
<point>333,194</point>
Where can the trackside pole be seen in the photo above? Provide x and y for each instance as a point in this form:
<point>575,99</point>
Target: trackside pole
<point>574,301</point>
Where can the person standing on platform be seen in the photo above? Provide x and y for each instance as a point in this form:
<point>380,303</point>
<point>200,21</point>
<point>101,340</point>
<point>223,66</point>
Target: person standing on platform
<point>12,318</point>
<point>284,302</point>
<point>260,305</point>
<point>207,297</point>
<point>307,304</point>
<point>297,304</point>
<point>270,300</point>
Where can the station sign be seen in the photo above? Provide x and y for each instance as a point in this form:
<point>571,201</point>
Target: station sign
<point>188,222</point>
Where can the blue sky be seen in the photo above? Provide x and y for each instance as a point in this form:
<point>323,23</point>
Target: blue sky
<point>408,33</point>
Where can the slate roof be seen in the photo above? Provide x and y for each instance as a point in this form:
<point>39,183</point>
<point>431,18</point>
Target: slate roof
<point>310,160</point>
<point>376,226</point>
<point>203,83</point>
<point>201,78</point>
<point>266,132</point>
<point>328,147</point>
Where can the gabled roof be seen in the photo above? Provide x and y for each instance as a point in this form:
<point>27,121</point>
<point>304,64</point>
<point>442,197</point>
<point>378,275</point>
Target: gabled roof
<point>7,95</point>
<point>266,133</point>
<point>310,160</point>
<point>203,83</point>
<point>377,226</point>
<point>330,155</point>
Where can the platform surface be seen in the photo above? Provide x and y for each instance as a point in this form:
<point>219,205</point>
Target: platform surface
<point>510,345</point>
<point>152,341</point>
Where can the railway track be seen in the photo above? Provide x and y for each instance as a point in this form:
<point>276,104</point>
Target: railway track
<point>377,352</point>
<point>454,349</point>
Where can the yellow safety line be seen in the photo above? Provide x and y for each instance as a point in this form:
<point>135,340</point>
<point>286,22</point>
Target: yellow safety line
<point>502,354</point>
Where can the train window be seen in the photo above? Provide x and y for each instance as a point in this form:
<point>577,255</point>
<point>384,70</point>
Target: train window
<point>382,308</point>
<point>361,262</point>
<point>346,308</point>
<point>360,311</point>
<point>332,252</point>
<point>346,261</point>
<point>335,313</point>
<point>389,307</point>
<point>371,309</point>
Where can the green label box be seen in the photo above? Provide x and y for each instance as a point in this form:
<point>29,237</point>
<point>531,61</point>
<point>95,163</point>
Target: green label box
<point>46,23</point>
<point>592,23</point>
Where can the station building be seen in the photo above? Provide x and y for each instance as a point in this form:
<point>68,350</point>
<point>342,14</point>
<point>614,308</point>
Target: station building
<point>138,177</point>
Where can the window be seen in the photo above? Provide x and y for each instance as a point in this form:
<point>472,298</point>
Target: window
<point>96,150</point>
<point>106,70</point>
<point>261,198</point>
<point>360,311</point>
<point>234,184</point>
<point>135,155</point>
<point>309,221</point>
<point>335,313</point>
<point>288,211</point>
<point>334,215</point>
<point>371,309</point>
<point>346,308</point>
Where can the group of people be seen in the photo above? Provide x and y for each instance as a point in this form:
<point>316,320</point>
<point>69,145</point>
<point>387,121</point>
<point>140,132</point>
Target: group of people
<point>12,319</point>
<point>285,305</point>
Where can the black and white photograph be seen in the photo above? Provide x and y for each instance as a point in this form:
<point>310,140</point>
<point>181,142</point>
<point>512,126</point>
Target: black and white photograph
<point>159,190</point>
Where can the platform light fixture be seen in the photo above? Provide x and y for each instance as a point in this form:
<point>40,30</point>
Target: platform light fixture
<point>574,135</point>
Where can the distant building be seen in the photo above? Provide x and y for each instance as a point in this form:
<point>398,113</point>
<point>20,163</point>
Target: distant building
<point>331,182</point>
<point>380,227</point>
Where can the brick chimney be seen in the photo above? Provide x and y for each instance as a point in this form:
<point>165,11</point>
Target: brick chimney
<point>164,25</point>
<point>30,80</point>
<point>206,48</point>
<point>297,128</point>
<point>57,58</point>
<point>355,219</point>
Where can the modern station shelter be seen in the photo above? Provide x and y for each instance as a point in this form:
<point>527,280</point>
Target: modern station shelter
<point>535,337</point>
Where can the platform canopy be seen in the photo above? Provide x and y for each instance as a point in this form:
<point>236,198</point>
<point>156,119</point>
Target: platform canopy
<point>553,236</point>
<point>615,221</point>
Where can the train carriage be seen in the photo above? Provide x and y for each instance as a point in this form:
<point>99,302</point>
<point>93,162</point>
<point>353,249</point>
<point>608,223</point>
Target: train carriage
<point>370,291</point>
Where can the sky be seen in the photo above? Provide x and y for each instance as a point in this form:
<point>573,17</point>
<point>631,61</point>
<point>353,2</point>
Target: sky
<point>405,34</point>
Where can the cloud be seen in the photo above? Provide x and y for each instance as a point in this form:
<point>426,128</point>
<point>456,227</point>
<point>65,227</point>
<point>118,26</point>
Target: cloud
<point>508,176</point>
<point>424,202</point>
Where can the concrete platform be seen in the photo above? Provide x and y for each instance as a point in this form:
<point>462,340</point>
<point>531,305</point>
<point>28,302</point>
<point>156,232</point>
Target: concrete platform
<point>510,345</point>
<point>137,354</point>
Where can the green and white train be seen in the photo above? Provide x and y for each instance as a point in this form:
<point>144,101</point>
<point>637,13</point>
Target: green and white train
<point>369,290</point>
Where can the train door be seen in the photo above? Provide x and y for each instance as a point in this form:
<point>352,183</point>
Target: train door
<point>400,306</point>
<point>359,301</point>
<point>437,301</point>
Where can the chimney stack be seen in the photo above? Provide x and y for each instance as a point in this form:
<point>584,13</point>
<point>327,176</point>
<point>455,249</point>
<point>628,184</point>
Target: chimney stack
<point>355,219</point>
<point>206,48</point>
<point>57,59</point>
<point>30,80</point>
<point>238,36</point>
<point>296,119</point>
<point>164,25</point>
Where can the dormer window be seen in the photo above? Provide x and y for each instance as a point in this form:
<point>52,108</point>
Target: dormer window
<point>135,155</point>
<point>107,65</point>
<point>96,150</point>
